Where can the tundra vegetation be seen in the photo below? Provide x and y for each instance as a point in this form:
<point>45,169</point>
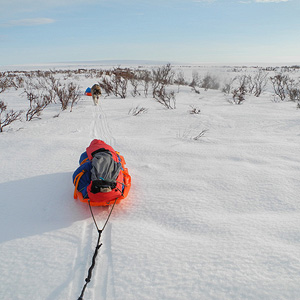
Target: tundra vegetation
<point>162,83</point>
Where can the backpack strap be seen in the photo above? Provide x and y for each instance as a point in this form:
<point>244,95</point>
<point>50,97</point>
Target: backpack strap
<point>84,161</point>
<point>76,181</point>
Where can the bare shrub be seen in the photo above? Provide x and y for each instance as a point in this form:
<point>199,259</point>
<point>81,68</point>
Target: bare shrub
<point>239,93</point>
<point>125,73</point>
<point>119,84</point>
<point>200,135</point>
<point>194,110</point>
<point>137,111</point>
<point>167,99</point>
<point>293,89</point>
<point>53,85</point>
<point>9,116</point>
<point>31,96</point>
<point>161,77</point>
<point>67,94</point>
<point>35,110</point>
<point>145,78</point>
<point>259,82</point>
<point>6,81</point>
<point>279,83</point>
<point>195,83</point>
<point>179,79</point>
<point>44,86</point>
<point>196,80</point>
<point>227,87</point>
<point>190,135</point>
<point>294,94</point>
<point>210,82</point>
<point>19,81</point>
<point>135,83</point>
<point>106,85</point>
<point>116,82</point>
<point>195,89</point>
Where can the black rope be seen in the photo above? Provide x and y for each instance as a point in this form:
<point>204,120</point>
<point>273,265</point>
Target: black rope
<point>88,279</point>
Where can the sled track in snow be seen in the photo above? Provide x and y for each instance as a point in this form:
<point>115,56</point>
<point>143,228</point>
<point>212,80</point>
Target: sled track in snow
<point>81,260</point>
<point>104,287</point>
<point>102,284</point>
<point>100,127</point>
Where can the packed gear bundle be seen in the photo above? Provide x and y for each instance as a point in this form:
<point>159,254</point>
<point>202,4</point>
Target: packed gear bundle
<point>88,92</point>
<point>102,178</point>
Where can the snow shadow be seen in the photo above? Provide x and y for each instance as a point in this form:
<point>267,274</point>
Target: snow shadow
<point>39,204</point>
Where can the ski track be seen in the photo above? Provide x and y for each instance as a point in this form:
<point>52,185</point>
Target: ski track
<point>100,128</point>
<point>78,268</point>
<point>103,287</point>
<point>102,283</point>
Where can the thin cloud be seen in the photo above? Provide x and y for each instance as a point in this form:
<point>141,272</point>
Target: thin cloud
<point>29,22</point>
<point>200,1</point>
<point>26,6</point>
<point>271,1</point>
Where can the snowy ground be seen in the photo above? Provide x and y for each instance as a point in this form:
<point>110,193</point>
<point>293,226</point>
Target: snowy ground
<point>216,218</point>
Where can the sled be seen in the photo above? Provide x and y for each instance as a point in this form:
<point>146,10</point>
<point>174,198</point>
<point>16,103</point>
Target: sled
<point>126,183</point>
<point>88,92</point>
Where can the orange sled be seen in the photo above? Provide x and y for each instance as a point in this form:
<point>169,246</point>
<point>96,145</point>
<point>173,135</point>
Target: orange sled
<point>126,182</point>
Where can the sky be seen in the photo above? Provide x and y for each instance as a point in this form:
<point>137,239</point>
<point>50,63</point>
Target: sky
<point>184,31</point>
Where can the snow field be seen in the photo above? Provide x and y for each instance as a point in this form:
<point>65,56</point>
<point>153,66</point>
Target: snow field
<point>214,218</point>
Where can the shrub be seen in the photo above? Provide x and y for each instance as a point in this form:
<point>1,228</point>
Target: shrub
<point>161,77</point>
<point>179,79</point>
<point>259,81</point>
<point>279,83</point>
<point>188,134</point>
<point>293,89</point>
<point>35,110</point>
<point>195,83</point>
<point>145,78</point>
<point>6,81</point>
<point>9,116</point>
<point>67,94</point>
<point>137,111</point>
<point>119,85</point>
<point>167,99</point>
<point>195,79</point>
<point>239,93</point>
<point>200,134</point>
<point>106,85</point>
<point>210,82</point>
<point>194,110</point>
<point>135,83</point>
<point>227,87</point>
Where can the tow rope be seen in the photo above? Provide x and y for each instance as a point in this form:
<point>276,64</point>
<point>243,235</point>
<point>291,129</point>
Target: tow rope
<point>89,276</point>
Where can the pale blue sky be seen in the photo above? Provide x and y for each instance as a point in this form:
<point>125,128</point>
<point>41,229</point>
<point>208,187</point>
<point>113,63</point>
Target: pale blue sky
<point>187,31</point>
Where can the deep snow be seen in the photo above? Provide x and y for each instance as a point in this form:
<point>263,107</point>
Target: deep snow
<point>216,218</point>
